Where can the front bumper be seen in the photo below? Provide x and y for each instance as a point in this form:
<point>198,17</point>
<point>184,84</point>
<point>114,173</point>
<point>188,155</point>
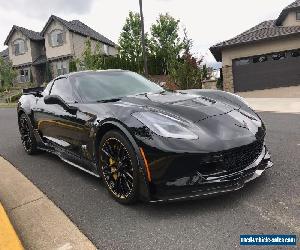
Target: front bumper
<point>203,186</point>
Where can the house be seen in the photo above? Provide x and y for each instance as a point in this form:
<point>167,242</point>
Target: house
<point>24,48</point>
<point>36,55</point>
<point>265,56</point>
<point>4,54</point>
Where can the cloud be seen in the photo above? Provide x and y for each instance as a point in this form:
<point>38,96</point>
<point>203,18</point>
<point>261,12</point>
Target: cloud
<point>41,8</point>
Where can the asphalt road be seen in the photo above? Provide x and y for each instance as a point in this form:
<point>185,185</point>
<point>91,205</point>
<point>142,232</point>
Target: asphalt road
<point>269,205</point>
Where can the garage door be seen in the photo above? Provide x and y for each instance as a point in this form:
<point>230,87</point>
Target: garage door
<point>280,69</point>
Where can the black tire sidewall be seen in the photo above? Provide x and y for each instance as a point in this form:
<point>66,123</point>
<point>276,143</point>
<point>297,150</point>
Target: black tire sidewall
<point>132,198</point>
<point>33,148</point>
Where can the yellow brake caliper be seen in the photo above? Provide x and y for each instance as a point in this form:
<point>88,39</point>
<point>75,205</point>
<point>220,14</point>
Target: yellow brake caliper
<point>113,168</point>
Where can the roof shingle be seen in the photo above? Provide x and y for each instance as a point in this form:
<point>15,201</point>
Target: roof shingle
<point>293,5</point>
<point>263,31</point>
<point>81,28</point>
<point>4,53</point>
<point>33,35</point>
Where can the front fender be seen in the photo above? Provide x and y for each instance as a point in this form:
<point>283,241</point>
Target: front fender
<point>143,182</point>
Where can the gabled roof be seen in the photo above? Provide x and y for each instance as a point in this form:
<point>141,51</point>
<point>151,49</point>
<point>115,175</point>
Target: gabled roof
<point>80,28</point>
<point>32,35</point>
<point>293,6</point>
<point>266,30</point>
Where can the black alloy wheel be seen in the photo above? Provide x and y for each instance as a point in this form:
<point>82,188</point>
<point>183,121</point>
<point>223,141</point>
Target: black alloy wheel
<point>27,137</point>
<point>119,167</point>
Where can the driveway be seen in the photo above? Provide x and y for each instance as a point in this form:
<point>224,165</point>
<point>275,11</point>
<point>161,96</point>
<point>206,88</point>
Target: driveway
<point>284,92</point>
<point>269,205</point>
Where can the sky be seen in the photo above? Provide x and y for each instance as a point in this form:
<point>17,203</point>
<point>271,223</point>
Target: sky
<point>207,22</point>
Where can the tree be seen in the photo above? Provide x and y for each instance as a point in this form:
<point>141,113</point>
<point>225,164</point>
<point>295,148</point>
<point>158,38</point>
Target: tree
<point>7,73</point>
<point>187,72</point>
<point>165,42</point>
<point>143,38</point>
<point>91,58</point>
<point>131,49</point>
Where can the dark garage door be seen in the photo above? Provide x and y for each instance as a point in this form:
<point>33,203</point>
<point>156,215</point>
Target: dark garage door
<point>267,71</point>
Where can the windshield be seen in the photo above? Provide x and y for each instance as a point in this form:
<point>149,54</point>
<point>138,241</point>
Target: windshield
<point>99,86</point>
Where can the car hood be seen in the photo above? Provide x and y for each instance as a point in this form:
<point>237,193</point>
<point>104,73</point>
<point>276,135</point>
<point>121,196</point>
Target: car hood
<point>194,108</point>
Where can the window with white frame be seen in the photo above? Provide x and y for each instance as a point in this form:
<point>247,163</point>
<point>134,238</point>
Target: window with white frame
<point>59,68</point>
<point>24,75</point>
<point>65,67</point>
<point>57,38</point>
<point>62,67</point>
<point>19,47</point>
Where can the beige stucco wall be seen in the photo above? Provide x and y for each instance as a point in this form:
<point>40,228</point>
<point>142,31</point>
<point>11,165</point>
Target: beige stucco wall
<point>63,50</point>
<point>20,59</point>
<point>259,48</point>
<point>291,20</point>
<point>78,45</point>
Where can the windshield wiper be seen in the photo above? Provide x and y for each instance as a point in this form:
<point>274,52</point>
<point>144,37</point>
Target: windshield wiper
<point>109,100</point>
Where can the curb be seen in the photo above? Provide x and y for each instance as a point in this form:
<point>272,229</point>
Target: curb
<point>8,237</point>
<point>38,222</point>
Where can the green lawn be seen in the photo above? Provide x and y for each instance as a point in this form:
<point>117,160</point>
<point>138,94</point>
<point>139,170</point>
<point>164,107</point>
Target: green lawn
<point>8,105</point>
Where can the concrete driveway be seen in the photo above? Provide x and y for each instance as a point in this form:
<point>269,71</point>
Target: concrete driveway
<point>279,105</point>
<point>284,92</point>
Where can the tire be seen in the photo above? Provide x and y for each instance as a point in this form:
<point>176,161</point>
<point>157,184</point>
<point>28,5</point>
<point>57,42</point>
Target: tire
<point>27,135</point>
<point>119,167</point>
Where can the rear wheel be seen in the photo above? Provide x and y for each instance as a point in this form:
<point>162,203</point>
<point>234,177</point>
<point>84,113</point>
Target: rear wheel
<point>119,167</point>
<point>27,136</point>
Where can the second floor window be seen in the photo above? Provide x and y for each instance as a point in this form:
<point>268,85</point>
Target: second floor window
<point>298,16</point>
<point>57,38</point>
<point>19,47</point>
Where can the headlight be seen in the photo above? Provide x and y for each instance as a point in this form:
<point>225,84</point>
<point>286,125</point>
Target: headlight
<point>165,125</point>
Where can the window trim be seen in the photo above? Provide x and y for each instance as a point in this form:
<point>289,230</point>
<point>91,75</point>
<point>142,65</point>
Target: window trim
<point>298,16</point>
<point>51,41</point>
<point>15,43</point>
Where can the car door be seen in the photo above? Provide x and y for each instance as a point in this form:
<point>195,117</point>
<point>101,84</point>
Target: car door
<point>67,131</point>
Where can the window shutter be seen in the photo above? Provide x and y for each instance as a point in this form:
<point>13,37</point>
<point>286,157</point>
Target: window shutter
<point>25,45</point>
<point>49,39</point>
<point>64,34</point>
<point>16,49</point>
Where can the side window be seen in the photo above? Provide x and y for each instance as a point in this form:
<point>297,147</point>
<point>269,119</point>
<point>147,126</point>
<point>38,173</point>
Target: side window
<point>62,88</point>
<point>47,89</point>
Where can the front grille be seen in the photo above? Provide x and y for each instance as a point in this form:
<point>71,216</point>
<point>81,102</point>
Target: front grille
<point>239,158</point>
<point>232,160</point>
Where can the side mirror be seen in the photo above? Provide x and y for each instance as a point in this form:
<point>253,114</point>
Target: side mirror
<point>55,99</point>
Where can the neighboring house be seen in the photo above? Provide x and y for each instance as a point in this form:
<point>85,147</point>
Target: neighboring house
<point>24,47</point>
<point>35,55</point>
<point>4,55</point>
<point>265,56</point>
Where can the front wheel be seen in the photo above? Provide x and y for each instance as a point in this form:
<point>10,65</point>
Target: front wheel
<point>119,167</point>
<point>27,136</point>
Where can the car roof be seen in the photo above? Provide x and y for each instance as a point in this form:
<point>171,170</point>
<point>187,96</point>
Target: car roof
<point>78,73</point>
<point>95,71</point>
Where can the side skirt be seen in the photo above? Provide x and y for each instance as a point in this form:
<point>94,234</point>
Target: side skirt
<point>59,152</point>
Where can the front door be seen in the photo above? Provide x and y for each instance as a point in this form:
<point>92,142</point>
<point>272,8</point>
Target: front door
<point>60,128</point>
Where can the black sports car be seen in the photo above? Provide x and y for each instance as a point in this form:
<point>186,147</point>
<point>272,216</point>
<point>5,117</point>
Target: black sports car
<point>145,142</point>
